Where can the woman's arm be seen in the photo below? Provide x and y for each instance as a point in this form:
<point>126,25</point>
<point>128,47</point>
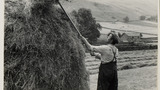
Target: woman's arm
<point>91,48</point>
<point>88,45</point>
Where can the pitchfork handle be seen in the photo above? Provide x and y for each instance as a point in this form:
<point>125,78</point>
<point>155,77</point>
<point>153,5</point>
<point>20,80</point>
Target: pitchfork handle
<point>70,19</point>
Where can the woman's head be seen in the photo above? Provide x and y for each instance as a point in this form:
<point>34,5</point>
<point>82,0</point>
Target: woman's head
<point>112,38</point>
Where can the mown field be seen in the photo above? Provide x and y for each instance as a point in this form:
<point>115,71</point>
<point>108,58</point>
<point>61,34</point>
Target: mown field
<point>133,79</point>
<point>136,69</point>
<point>126,60</point>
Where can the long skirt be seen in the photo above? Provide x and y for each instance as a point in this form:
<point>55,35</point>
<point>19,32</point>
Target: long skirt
<point>107,78</point>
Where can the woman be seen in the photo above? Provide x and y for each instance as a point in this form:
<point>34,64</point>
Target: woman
<point>107,78</point>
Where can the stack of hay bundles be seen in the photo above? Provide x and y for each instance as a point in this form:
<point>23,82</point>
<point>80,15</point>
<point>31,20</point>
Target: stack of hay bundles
<point>42,51</point>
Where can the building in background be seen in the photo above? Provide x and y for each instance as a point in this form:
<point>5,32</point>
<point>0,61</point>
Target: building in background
<point>130,37</point>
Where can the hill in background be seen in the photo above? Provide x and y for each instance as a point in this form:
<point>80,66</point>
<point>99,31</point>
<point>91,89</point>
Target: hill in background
<point>106,10</point>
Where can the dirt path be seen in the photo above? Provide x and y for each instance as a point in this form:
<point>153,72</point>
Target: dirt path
<point>133,79</point>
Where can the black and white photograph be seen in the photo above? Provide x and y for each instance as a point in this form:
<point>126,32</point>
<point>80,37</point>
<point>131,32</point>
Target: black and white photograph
<point>80,45</point>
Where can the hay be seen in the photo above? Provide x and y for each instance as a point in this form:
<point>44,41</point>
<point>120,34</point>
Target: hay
<point>42,51</point>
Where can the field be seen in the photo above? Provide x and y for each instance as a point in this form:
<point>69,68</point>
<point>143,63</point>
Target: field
<point>104,10</point>
<point>140,65</point>
<point>135,79</point>
<point>144,23</point>
<point>147,31</point>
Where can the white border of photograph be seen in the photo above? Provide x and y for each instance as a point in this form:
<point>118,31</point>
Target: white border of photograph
<point>2,45</point>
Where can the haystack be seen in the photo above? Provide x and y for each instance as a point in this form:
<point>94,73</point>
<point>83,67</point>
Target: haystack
<point>42,50</point>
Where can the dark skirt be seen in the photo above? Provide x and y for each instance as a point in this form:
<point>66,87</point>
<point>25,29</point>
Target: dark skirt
<point>107,78</point>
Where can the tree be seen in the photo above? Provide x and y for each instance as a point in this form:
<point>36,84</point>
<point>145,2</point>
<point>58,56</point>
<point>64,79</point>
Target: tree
<point>113,17</point>
<point>153,18</point>
<point>142,17</point>
<point>87,24</point>
<point>126,19</point>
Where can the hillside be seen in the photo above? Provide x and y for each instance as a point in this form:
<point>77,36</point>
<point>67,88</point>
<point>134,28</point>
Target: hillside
<point>123,27</point>
<point>104,10</point>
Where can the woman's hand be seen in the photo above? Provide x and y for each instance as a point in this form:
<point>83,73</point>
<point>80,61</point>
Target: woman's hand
<point>88,45</point>
<point>92,53</point>
<point>97,55</point>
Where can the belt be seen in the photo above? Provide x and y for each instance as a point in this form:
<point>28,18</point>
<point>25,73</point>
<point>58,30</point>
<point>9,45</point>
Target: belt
<point>108,62</point>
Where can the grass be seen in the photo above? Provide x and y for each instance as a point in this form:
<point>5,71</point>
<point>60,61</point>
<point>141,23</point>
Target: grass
<point>144,23</point>
<point>134,79</point>
<point>128,27</point>
<point>137,70</point>
<point>126,60</point>
<point>105,10</point>
<point>138,79</point>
